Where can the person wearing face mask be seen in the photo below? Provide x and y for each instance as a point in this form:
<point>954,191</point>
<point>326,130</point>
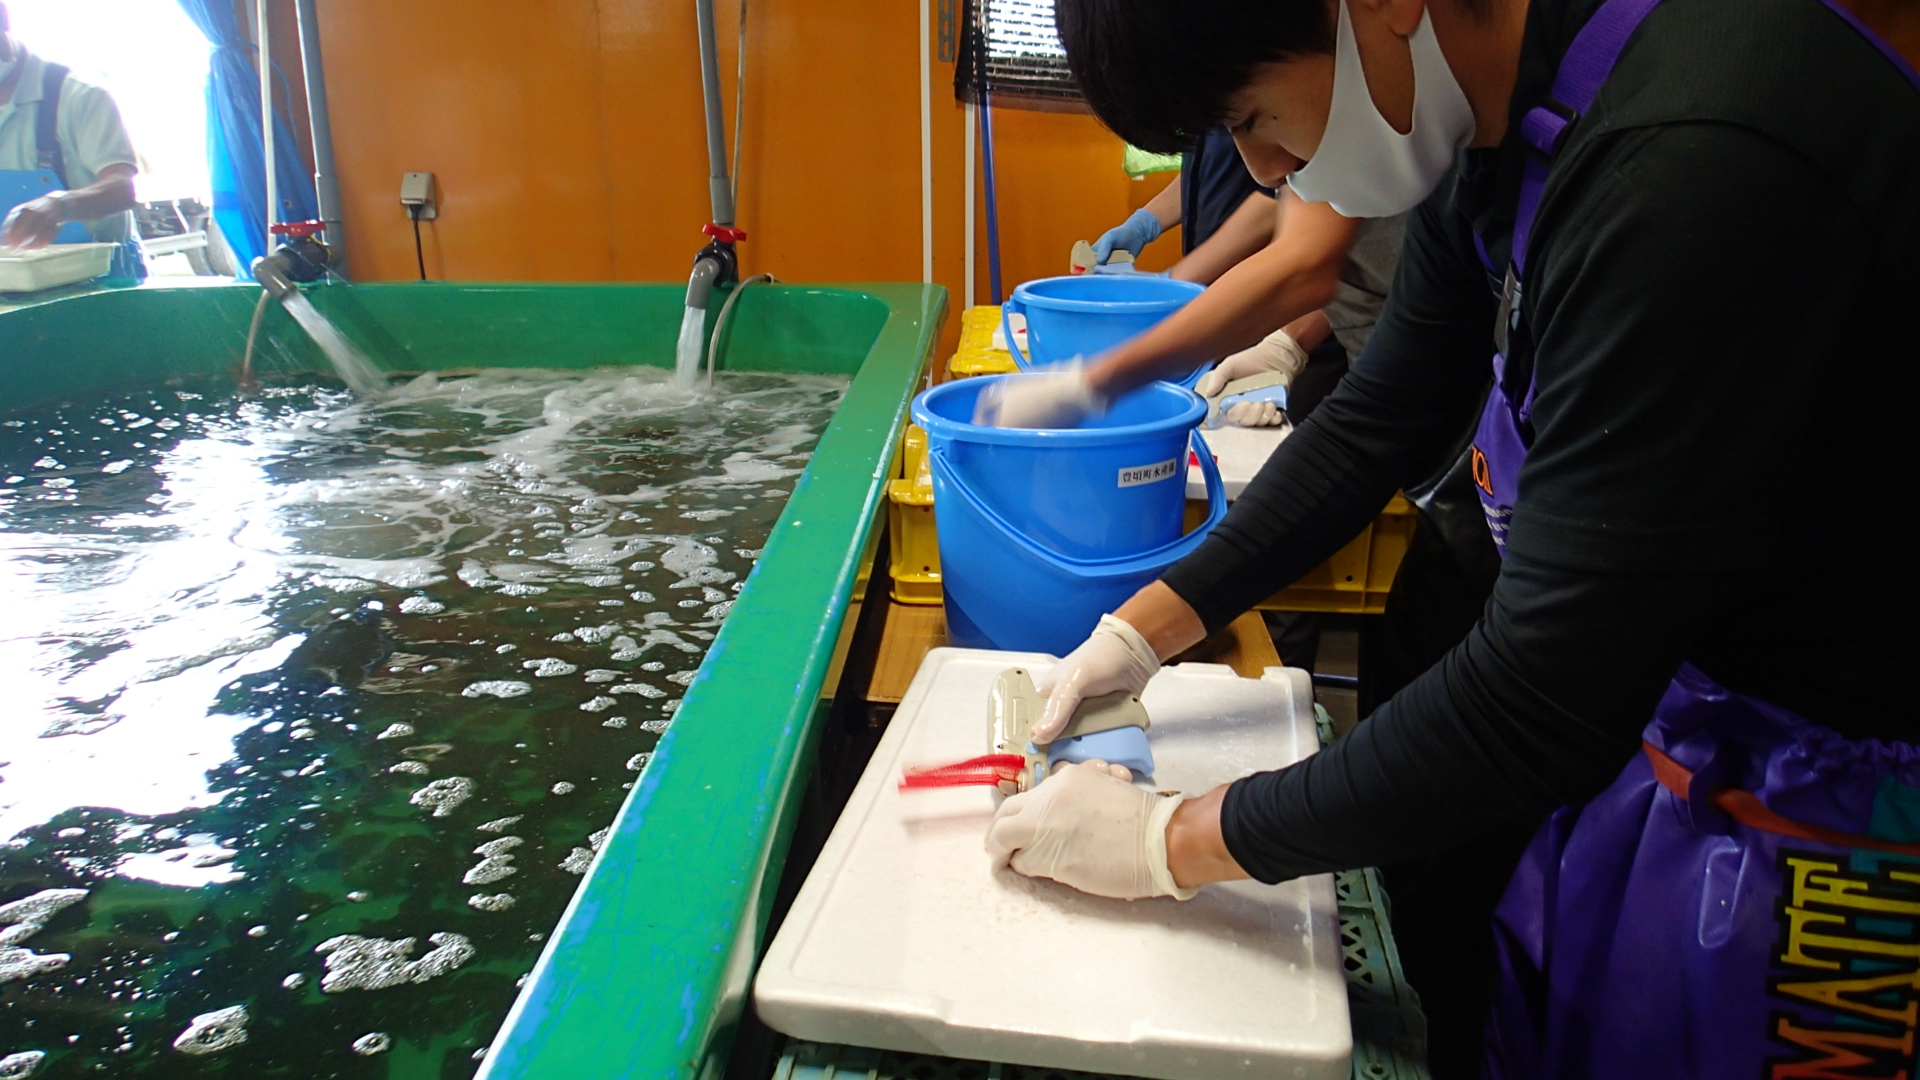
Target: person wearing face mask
<point>1717,750</point>
<point>66,164</point>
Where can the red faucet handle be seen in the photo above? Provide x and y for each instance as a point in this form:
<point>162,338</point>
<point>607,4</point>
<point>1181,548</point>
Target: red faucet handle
<point>726,234</point>
<point>302,230</point>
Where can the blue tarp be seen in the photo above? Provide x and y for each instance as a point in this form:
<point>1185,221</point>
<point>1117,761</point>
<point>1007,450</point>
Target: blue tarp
<point>233,139</point>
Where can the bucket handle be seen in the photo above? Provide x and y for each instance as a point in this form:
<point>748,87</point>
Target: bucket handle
<point>1008,310</point>
<point>1164,555</point>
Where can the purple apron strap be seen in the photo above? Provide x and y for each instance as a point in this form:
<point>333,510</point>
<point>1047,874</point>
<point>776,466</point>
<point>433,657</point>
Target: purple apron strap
<point>1584,69</point>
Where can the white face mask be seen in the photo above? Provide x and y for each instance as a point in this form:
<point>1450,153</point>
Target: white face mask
<point>1364,168</point>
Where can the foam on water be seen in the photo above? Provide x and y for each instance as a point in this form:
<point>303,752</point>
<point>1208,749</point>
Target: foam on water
<point>362,963</point>
<point>214,1031</point>
<point>241,633</point>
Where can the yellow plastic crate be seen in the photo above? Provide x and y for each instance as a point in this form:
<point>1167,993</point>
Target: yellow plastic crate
<point>1358,577</point>
<point>976,354</point>
<point>911,540</point>
<point>1356,580</point>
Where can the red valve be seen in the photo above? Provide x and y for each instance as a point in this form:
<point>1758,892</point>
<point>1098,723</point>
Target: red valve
<point>300,229</point>
<point>726,234</point>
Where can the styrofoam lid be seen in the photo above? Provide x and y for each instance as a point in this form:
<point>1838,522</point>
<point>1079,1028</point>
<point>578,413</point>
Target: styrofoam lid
<point>51,251</point>
<point>905,938</point>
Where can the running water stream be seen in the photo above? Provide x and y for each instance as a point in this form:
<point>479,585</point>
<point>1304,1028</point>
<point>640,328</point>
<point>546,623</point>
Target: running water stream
<point>691,348</point>
<point>320,705</point>
<point>352,365</point>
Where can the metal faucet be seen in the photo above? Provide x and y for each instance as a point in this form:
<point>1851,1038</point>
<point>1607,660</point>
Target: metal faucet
<point>300,259</point>
<point>715,265</point>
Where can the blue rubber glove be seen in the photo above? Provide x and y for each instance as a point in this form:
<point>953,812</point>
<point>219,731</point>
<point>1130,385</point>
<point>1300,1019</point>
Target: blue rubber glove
<point>1133,234</point>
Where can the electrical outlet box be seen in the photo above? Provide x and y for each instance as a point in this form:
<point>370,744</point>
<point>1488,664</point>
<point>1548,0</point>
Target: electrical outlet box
<point>416,189</point>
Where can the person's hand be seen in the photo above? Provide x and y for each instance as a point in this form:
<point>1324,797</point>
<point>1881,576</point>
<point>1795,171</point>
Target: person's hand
<point>1132,235</point>
<point>1277,352</point>
<point>1054,397</point>
<point>32,224</point>
<point>1114,657</point>
<point>1256,414</point>
<point>1086,827</point>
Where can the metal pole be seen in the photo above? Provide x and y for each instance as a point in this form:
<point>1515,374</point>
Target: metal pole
<point>721,190</point>
<point>326,184</point>
<point>266,117</point>
<point>993,204</point>
<point>971,121</point>
<point>926,141</point>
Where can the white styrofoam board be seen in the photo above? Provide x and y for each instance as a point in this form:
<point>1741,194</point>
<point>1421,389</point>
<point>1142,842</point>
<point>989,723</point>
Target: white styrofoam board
<point>52,266</point>
<point>1240,452</point>
<point>904,938</point>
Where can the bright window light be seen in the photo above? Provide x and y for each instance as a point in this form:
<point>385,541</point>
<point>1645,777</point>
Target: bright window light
<point>153,60</point>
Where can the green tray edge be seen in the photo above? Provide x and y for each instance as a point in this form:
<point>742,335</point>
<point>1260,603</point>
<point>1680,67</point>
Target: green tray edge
<point>650,967</point>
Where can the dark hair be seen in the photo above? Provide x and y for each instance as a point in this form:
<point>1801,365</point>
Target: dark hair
<point>1161,72</point>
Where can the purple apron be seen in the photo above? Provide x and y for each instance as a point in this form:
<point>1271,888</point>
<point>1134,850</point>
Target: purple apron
<point>1744,900</point>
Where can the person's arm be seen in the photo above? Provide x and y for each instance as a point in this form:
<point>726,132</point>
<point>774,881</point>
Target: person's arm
<point>1165,207</point>
<point>1290,277</point>
<point>1664,434</point>
<point>1310,330</point>
<point>1400,406</point>
<point>33,223</point>
<point>1142,227</point>
<point>1411,390</point>
<point>1252,226</point>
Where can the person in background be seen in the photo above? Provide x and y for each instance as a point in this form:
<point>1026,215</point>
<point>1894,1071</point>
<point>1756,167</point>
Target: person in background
<point>1225,215</point>
<point>66,164</point>
<point>1716,749</point>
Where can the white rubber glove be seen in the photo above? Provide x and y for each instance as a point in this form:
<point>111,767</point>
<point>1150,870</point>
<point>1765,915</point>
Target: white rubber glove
<point>1087,828</point>
<point>1277,352</point>
<point>1114,657</point>
<point>1056,397</point>
<point>1256,414</point>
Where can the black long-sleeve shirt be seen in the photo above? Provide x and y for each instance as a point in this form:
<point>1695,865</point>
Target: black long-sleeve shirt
<point>1723,305</point>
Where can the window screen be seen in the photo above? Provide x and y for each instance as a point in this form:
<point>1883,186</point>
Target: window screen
<point>1011,49</point>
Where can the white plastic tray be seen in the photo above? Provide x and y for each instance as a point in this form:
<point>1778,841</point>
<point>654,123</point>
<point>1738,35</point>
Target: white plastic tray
<point>904,938</point>
<point>52,266</point>
<point>1240,452</point>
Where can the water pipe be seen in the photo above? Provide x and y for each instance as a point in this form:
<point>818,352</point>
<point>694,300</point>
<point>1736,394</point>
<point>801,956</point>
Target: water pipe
<point>326,184</point>
<point>718,187</point>
<point>715,264</point>
<point>706,274</point>
<point>265,60</point>
<point>300,259</point>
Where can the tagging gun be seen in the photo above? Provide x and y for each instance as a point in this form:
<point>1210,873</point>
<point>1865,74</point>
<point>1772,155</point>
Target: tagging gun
<point>1266,386</point>
<point>1111,727</point>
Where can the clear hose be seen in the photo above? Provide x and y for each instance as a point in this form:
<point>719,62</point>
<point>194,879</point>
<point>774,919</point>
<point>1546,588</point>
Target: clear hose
<point>253,333</point>
<point>720,320</point>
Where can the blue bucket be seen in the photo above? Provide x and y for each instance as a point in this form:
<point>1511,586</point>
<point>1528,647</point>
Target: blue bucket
<point>1005,589</point>
<point>1113,487</point>
<point>1089,313</point>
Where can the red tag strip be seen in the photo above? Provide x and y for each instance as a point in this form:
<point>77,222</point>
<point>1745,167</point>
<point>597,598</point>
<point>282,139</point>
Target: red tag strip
<point>984,771</point>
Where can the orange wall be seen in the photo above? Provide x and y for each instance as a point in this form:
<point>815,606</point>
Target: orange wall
<point>567,139</point>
